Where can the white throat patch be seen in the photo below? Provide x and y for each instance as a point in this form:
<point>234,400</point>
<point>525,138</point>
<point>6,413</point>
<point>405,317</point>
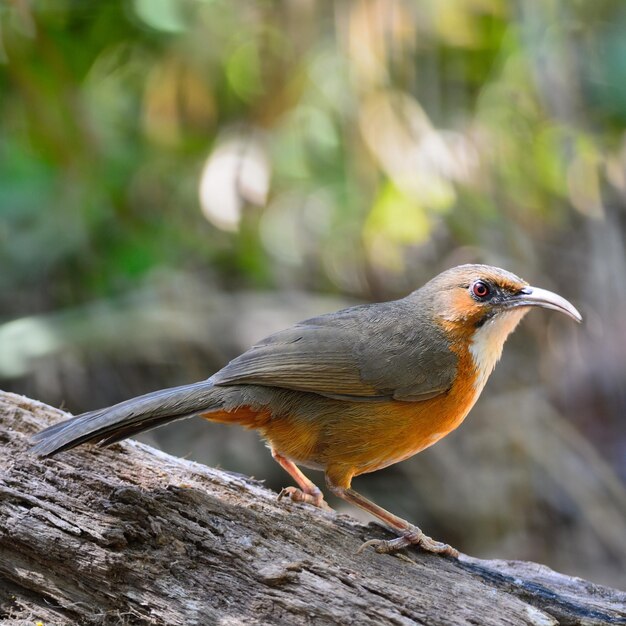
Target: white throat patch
<point>488,340</point>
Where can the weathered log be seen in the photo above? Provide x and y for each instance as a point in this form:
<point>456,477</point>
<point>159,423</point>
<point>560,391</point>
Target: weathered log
<point>130,535</point>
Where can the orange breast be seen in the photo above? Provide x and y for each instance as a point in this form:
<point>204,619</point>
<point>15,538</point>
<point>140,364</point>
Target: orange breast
<point>395,431</point>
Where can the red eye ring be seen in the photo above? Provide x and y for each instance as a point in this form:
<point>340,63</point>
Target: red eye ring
<point>480,289</point>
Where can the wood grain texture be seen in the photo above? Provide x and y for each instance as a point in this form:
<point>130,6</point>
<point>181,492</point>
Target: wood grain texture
<point>129,535</point>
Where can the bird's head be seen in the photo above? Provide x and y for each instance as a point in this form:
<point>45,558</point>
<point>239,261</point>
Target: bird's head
<point>470,296</point>
<point>479,306</point>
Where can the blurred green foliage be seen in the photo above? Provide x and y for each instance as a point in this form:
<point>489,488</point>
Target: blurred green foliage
<point>379,135</point>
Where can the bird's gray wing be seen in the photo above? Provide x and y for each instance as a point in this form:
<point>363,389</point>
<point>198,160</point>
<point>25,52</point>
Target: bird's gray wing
<point>365,353</point>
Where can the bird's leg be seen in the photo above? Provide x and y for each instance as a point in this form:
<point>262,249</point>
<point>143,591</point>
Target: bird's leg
<point>308,492</point>
<point>408,533</point>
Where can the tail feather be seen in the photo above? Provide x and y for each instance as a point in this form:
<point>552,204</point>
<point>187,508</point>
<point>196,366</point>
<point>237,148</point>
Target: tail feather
<point>106,426</point>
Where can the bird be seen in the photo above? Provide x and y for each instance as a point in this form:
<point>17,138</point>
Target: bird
<point>349,392</point>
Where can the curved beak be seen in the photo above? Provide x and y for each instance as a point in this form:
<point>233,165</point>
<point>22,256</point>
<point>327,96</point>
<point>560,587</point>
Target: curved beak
<point>534,296</point>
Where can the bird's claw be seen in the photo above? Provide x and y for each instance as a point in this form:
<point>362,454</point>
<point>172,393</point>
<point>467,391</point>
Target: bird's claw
<point>297,495</point>
<point>413,537</point>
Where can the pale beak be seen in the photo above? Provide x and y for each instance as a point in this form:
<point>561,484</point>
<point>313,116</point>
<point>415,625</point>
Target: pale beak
<point>533,296</point>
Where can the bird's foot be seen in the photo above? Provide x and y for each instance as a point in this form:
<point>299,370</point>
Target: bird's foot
<point>297,495</point>
<point>411,537</point>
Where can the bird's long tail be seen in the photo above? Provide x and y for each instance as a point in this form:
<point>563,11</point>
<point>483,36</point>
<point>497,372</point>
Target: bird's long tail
<point>127,418</point>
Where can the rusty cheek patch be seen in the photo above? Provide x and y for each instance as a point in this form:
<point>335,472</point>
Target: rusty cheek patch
<point>459,313</point>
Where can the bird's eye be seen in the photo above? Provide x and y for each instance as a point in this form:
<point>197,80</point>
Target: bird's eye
<point>481,290</point>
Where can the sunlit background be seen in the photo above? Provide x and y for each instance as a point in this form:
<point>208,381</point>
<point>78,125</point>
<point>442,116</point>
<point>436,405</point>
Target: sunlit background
<point>179,178</point>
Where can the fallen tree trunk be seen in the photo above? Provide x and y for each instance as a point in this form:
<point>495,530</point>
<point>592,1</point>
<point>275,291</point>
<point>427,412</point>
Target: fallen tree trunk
<point>129,535</point>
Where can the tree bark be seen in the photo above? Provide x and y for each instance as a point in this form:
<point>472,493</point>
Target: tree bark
<point>130,535</point>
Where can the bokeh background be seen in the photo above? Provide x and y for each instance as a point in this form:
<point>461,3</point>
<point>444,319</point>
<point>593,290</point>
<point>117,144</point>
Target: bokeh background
<point>179,178</point>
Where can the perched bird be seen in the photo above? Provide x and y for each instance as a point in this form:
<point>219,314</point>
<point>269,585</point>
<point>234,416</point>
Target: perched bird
<point>348,392</point>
